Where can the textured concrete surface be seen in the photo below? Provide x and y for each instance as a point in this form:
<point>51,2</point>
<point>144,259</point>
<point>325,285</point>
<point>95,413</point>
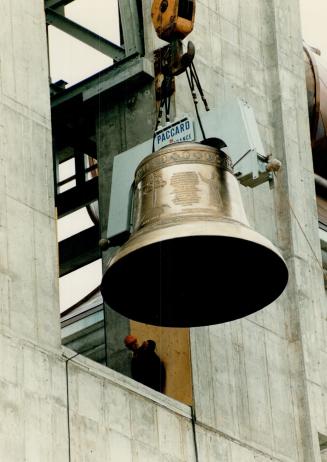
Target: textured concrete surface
<point>263,383</point>
<point>28,267</point>
<point>260,383</point>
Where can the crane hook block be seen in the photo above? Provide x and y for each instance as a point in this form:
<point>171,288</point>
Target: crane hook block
<point>173,19</point>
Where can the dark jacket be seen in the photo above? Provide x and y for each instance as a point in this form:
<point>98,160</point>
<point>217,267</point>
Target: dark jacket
<point>147,368</point>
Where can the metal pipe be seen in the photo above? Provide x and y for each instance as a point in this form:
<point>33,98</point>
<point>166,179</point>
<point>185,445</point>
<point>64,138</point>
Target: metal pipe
<point>320,181</point>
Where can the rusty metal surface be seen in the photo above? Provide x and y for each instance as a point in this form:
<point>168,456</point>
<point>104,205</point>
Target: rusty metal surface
<point>316,81</point>
<point>313,89</point>
<point>174,19</point>
<point>93,208</point>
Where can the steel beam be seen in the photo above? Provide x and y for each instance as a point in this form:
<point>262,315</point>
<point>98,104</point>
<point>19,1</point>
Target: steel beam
<point>56,3</point>
<point>131,26</point>
<point>76,198</point>
<point>132,70</point>
<point>79,250</point>
<point>85,35</point>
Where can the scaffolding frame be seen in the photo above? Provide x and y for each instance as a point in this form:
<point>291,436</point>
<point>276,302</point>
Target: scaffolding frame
<point>73,117</point>
<point>131,26</point>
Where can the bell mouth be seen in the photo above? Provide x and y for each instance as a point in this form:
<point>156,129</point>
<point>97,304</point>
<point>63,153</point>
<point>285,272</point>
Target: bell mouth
<point>195,280</point>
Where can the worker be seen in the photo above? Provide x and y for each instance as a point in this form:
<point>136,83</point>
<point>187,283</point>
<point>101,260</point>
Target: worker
<point>146,366</point>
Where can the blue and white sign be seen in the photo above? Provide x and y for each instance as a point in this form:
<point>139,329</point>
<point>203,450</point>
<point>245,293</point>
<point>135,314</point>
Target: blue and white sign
<point>177,132</point>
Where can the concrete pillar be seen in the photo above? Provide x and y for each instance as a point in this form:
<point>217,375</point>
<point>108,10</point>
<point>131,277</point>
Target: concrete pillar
<point>126,119</point>
<point>28,269</point>
<point>32,381</point>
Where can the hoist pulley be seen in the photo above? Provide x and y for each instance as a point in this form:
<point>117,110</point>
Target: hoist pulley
<point>173,19</point>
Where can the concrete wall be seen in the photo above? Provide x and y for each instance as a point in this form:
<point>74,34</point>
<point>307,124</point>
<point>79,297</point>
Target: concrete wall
<point>32,386</point>
<point>263,381</point>
<point>259,383</point>
<point>116,419</point>
<point>29,287</point>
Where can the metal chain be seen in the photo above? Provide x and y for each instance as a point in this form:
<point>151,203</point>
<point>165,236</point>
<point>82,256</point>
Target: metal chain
<point>190,77</point>
<point>194,83</point>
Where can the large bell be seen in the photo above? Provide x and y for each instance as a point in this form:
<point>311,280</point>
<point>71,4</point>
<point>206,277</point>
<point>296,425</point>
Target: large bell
<point>192,259</point>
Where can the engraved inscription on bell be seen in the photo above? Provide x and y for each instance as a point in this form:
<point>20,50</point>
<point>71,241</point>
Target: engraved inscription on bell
<point>212,182</point>
<point>152,205</point>
<point>177,184</point>
<point>185,188</point>
<point>153,182</point>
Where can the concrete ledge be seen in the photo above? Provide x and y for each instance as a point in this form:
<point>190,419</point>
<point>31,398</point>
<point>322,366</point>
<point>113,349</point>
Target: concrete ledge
<point>127,383</point>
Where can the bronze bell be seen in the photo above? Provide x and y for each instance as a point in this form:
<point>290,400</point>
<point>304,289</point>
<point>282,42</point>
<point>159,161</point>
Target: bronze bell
<point>191,259</point>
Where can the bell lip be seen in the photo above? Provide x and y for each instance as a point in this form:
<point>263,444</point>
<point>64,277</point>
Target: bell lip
<point>209,316</point>
<point>223,228</point>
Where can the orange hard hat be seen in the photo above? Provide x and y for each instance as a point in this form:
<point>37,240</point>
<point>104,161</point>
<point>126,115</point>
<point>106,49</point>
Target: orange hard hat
<point>129,339</point>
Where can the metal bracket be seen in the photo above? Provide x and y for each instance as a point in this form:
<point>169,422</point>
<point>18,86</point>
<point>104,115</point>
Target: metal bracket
<point>174,61</point>
<point>234,122</point>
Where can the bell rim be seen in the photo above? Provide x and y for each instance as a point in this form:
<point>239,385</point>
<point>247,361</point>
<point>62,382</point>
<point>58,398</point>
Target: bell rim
<point>224,228</point>
<point>235,304</point>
